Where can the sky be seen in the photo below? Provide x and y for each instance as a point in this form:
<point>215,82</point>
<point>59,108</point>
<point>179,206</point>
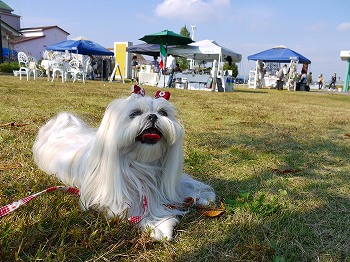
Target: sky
<point>317,29</point>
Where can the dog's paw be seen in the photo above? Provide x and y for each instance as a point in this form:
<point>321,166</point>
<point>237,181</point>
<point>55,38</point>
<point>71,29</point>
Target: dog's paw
<point>163,230</point>
<point>205,199</point>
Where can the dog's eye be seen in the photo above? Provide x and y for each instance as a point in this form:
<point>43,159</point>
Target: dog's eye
<point>162,112</point>
<point>135,113</point>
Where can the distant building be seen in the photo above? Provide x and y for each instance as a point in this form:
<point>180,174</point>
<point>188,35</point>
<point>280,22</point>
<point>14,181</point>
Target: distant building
<point>34,40</point>
<point>29,40</point>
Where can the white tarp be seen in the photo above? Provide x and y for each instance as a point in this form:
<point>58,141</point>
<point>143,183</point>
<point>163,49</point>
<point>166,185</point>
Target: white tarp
<point>207,50</point>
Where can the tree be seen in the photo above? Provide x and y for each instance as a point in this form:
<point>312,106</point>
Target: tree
<point>232,67</point>
<point>183,62</point>
<point>184,31</point>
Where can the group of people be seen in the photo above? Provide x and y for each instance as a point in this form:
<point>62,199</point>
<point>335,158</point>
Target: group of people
<point>303,80</point>
<point>171,68</point>
<point>281,74</point>
<point>332,84</point>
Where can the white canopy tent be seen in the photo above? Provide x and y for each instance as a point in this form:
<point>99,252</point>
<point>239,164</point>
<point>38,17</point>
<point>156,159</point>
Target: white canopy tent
<point>207,50</point>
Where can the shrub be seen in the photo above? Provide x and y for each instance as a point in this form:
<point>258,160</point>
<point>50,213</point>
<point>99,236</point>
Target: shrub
<point>7,67</point>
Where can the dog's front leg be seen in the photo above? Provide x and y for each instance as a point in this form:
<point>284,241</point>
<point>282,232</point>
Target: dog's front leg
<point>160,230</point>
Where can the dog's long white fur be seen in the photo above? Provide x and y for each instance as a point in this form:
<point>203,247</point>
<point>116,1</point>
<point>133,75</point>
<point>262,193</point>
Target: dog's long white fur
<point>114,171</point>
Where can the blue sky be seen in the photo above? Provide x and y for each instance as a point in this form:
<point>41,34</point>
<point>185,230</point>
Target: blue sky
<point>319,30</point>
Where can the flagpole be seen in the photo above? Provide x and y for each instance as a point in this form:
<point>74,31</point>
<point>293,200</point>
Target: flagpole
<point>161,52</point>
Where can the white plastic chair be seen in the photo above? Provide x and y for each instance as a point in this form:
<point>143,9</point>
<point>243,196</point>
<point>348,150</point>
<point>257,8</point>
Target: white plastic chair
<point>87,66</point>
<point>27,64</point>
<point>67,56</point>
<point>33,66</point>
<point>59,56</point>
<point>46,55</point>
<point>77,70</point>
<point>59,67</point>
<point>23,64</point>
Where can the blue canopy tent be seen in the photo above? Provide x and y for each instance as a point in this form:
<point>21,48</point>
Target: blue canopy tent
<point>144,49</point>
<point>83,47</point>
<point>6,52</point>
<point>279,54</point>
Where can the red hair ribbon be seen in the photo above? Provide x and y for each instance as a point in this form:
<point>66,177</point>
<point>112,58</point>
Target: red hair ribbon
<point>163,94</point>
<point>138,90</point>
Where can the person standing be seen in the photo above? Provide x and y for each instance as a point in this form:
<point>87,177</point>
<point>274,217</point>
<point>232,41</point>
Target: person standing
<point>320,81</point>
<point>155,64</point>
<point>134,65</point>
<point>308,81</point>
<point>333,81</point>
<point>170,64</point>
<point>280,77</point>
<point>177,69</point>
<point>92,64</point>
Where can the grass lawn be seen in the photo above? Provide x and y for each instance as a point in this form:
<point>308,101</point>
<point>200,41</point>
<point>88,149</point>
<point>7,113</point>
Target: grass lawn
<point>279,160</point>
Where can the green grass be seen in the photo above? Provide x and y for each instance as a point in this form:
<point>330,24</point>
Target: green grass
<point>279,160</point>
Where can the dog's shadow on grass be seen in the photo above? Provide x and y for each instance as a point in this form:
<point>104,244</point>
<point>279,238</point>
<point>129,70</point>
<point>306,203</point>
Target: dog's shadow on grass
<point>311,221</point>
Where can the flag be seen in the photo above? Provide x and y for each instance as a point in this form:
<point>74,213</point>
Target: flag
<point>162,56</point>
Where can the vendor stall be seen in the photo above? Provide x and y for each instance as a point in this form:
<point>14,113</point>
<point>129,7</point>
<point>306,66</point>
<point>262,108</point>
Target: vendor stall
<point>192,81</point>
<point>268,62</point>
<point>210,51</point>
<point>201,82</point>
<point>147,76</point>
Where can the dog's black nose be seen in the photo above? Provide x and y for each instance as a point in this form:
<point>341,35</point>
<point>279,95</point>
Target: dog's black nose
<point>152,117</point>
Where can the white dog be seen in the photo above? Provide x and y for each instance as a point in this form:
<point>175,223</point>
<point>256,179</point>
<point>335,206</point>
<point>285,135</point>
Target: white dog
<point>131,165</point>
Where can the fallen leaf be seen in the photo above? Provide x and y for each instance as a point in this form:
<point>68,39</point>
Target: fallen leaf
<point>286,171</point>
<point>188,202</point>
<point>212,212</point>
<point>222,204</point>
<point>7,124</point>
<point>12,124</point>
<point>8,167</point>
<point>347,135</point>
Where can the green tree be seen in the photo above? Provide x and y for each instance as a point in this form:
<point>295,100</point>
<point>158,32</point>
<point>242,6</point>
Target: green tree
<point>184,31</point>
<point>183,62</point>
<point>232,67</point>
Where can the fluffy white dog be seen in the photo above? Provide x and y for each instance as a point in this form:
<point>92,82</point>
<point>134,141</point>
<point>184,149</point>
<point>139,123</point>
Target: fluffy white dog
<point>132,164</point>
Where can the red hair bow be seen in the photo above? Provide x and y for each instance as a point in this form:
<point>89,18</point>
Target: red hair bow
<point>163,94</point>
<point>138,90</point>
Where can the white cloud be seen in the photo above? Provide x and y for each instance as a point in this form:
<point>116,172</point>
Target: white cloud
<point>193,10</point>
<point>344,26</point>
<point>317,27</point>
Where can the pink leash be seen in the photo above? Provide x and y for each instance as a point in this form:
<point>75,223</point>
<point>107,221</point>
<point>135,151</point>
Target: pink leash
<point>5,210</point>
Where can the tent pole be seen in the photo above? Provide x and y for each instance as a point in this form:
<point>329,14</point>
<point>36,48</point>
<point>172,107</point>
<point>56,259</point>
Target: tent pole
<point>166,56</point>
<point>1,54</point>
<point>347,78</point>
